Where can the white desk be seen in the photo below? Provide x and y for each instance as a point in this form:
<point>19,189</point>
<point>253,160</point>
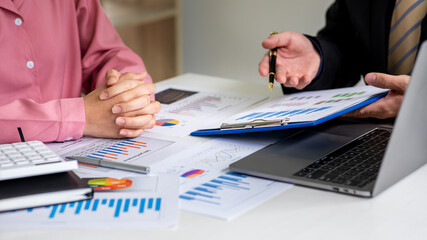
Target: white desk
<point>299,213</point>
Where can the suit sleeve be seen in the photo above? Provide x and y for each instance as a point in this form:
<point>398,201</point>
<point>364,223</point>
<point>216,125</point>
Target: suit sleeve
<point>337,42</point>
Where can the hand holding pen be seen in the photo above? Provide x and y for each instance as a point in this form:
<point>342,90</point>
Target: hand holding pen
<point>297,61</point>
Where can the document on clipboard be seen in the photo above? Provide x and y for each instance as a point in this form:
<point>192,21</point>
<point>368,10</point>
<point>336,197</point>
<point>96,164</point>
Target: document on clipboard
<point>301,109</point>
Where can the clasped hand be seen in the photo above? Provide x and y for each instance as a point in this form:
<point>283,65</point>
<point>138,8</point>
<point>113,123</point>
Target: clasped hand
<point>121,108</point>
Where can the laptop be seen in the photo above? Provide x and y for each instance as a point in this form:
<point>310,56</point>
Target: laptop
<point>359,158</point>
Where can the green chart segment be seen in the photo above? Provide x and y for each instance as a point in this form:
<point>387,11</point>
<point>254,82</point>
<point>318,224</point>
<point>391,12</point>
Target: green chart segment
<point>348,94</point>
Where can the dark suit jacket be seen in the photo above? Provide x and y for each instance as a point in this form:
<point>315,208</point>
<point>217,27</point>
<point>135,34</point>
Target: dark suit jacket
<point>354,42</point>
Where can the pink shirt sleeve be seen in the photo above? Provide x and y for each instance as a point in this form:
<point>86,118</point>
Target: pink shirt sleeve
<point>56,120</point>
<point>54,51</point>
<point>101,46</point>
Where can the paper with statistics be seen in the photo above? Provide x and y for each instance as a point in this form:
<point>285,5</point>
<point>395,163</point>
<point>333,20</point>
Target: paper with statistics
<point>134,202</point>
<point>307,106</point>
<point>206,185</point>
<point>187,109</point>
<point>143,150</point>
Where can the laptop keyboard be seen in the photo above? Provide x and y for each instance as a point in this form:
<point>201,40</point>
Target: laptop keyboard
<point>355,164</point>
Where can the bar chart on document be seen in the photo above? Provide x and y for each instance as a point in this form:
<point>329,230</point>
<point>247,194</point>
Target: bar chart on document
<point>204,161</point>
<point>308,106</point>
<point>229,194</point>
<point>128,150</point>
<point>207,186</point>
<point>216,189</point>
<point>153,204</point>
<point>109,204</point>
<point>185,110</point>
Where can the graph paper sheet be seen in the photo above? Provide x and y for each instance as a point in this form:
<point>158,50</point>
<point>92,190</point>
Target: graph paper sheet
<point>142,202</point>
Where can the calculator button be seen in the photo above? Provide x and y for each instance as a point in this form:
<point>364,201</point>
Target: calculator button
<point>17,145</point>
<point>14,154</point>
<point>6,164</point>
<point>38,161</point>
<point>23,162</point>
<point>19,159</point>
<point>3,147</point>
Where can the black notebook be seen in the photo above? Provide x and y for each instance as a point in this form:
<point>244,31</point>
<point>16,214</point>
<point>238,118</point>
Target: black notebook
<point>42,190</point>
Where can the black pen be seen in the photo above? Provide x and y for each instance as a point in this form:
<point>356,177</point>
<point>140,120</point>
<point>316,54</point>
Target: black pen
<point>21,134</point>
<point>272,68</point>
<point>110,164</point>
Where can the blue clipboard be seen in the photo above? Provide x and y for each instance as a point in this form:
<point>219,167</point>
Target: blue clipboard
<point>262,126</point>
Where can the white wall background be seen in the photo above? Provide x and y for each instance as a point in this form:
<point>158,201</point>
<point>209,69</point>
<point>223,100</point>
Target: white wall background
<point>223,37</point>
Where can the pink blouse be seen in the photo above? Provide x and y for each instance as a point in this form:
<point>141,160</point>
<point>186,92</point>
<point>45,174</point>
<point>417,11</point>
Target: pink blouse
<point>50,52</point>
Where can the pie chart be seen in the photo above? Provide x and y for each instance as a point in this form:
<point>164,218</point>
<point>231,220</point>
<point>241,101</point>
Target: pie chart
<point>107,184</point>
<point>166,122</point>
<point>192,173</point>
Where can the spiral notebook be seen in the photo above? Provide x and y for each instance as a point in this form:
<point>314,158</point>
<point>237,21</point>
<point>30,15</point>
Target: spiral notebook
<point>301,109</point>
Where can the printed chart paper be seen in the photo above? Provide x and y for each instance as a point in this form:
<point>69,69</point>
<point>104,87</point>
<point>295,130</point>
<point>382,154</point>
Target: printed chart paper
<point>229,195</point>
<point>143,150</point>
<point>207,187</point>
<point>187,109</point>
<point>148,202</point>
<point>307,106</point>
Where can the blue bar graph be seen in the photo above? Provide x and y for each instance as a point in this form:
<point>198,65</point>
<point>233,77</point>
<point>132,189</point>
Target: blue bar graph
<point>52,213</point>
<point>111,203</point>
<point>264,114</point>
<point>197,199</point>
<point>87,204</point>
<point>276,114</point>
<point>79,207</point>
<point>158,203</point>
<point>247,116</point>
<point>62,210</point>
<point>150,203</point>
<point>232,179</point>
<point>204,190</point>
<point>142,206</point>
<point>211,185</point>
<point>95,205</point>
<point>200,194</point>
<point>210,192</point>
<point>116,150</point>
<point>126,208</point>
<point>229,184</point>
<point>119,206</point>
<point>281,114</point>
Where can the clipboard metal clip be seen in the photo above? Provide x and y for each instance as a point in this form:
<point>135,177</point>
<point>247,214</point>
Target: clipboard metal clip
<point>255,123</point>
